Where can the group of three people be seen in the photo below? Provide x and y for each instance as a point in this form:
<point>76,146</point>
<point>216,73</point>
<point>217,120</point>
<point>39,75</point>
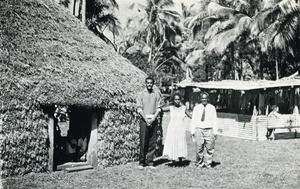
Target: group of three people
<point>203,127</point>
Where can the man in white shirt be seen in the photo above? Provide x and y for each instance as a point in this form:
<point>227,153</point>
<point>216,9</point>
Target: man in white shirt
<point>204,130</point>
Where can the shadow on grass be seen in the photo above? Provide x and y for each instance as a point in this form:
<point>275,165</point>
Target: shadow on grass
<point>160,161</point>
<point>214,164</point>
<point>182,163</point>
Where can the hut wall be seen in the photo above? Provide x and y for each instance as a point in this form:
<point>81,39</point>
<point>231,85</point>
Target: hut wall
<point>118,138</point>
<point>23,141</point>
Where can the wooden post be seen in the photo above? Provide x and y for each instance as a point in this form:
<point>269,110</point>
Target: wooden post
<point>51,163</point>
<point>254,123</point>
<point>276,69</point>
<point>92,148</point>
<point>267,109</point>
<point>296,110</point>
<point>254,111</point>
<point>296,98</point>
<point>261,103</point>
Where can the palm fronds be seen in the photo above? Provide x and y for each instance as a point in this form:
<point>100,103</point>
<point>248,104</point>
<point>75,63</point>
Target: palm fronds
<point>263,19</point>
<point>114,3</point>
<point>196,19</point>
<point>278,27</point>
<point>163,3</point>
<point>228,24</point>
<point>212,31</point>
<point>221,41</point>
<point>138,6</point>
<point>245,23</point>
<point>195,58</point>
<point>169,14</point>
<point>218,10</point>
<point>241,5</point>
<point>286,31</point>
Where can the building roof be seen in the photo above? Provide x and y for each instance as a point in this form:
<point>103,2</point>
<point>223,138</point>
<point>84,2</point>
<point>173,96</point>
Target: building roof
<point>47,55</point>
<point>242,85</point>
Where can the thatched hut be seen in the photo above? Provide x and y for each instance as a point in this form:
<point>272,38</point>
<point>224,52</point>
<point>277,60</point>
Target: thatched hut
<point>49,59</point>
<point>243,106</point>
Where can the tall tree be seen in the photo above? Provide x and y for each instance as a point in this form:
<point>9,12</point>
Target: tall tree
<point>277,27</point>
<point>157,28</point>
<point>98,15</point>
<point>220,27</point>
<point>100,18</point>
<point>155,32</point>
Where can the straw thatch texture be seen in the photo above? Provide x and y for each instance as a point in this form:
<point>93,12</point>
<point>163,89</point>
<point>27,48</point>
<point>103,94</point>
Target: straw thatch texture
<point>49,56</point>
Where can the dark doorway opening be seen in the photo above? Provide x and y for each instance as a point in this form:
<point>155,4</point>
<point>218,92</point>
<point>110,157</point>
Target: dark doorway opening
<point>71,136</point>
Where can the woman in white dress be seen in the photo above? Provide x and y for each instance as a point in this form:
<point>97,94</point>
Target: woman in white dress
<point>175,147</point>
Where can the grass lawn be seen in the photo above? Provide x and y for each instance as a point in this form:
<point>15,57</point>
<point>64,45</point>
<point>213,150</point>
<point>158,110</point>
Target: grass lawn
<point>240,164</point>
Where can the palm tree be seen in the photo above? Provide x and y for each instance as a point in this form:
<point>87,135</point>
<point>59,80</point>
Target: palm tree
<point>157,28</point>
<point>153,35</point>
<point>100,17</point>
<point>277,27</point>
<point>219,27</point>
<point>97,15</point>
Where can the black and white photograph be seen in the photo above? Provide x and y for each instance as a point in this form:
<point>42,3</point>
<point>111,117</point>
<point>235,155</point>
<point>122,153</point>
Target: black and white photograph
<point>142,94</point>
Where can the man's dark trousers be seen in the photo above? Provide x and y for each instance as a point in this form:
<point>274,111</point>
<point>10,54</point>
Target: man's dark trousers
<point>147,142</point>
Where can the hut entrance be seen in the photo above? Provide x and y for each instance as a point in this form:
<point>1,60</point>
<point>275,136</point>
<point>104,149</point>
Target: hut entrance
<point>71,136</point>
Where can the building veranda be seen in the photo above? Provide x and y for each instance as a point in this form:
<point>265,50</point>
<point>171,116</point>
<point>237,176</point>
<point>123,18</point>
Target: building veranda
<point>243,106</point>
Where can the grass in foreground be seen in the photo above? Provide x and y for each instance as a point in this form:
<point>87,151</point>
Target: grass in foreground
<point>241,164</point>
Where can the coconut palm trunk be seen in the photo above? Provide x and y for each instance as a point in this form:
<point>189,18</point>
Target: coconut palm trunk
<point>277,59</point>
<point>232,60</point>
<point>261,63</point>
<point>77,8</point>
<point>83,15</point>
<point>72,6</point>
<point>240,63</point>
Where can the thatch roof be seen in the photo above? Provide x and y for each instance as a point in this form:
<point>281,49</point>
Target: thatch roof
<point>47,55</point>
<point>242,85</point>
